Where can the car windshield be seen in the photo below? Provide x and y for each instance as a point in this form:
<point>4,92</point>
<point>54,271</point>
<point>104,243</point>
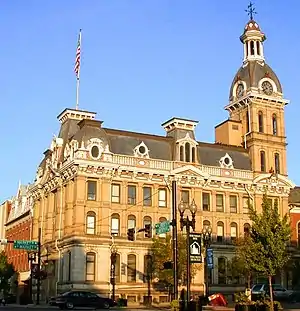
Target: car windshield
<point>257,287</point>
<point>65,294</point>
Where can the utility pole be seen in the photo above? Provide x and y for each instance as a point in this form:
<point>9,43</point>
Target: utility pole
<point>38,288</point>
<point>174,238</point>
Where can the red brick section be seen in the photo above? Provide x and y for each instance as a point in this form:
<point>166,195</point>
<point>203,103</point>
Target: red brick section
<point>295,218</point>
<point>18,230</point>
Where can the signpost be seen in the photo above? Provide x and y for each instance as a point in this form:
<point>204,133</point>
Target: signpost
<point>195,248</point>
<point>210,258</point>
<point>162,227</point>
<point>27,245</point>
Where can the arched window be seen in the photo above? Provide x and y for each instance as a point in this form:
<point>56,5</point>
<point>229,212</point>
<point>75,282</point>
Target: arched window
<point>221,270</point>
<point>298,233</point>
<point>148,221</point>
<point>147,268</point>
<point>233,231</point>
<point>117,268</point>
<point>115,224</point>
<point>91,223</point>
<point>251,47</point>
<point>69,266</point>
<point>247,122</point>
<point>246,229</point>
<point>206,224</point>
<point>277,163</point>
<point>260,122</point>
<point>220,231</point>
<point>262,161</point>
<point>162,219</point>
<point>193,154</point>
<point>131,268</point>
<point>131,222</point>
<point>90,267</point>
<point>181,153</point>
<point>274,124</point>
<point>187,152</point>
<point>258,47</point>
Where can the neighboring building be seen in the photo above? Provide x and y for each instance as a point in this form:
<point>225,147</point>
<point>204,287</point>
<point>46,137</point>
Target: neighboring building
<point>294,204</point>
<point>94,183</point>
<point>18,227</point>
<point>4,210</point>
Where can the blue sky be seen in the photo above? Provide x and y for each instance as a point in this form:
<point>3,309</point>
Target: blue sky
<point>142,63</point>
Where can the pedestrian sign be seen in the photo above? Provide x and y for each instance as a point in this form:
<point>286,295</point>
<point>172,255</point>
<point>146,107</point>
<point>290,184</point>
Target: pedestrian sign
<point>195,248</point>
<point>162,227</point>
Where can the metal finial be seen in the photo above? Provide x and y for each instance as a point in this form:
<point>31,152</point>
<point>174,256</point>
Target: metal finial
<point>251,10</point>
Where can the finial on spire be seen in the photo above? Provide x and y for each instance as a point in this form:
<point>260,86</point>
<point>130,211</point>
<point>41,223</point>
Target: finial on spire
<point>251,10</point>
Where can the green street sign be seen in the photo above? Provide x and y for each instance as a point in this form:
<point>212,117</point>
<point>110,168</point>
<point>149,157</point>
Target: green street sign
<point>27,245</point>
<point>162,227</point>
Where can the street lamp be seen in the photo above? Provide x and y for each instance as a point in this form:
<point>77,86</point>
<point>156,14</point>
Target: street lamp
<point>206,233</point>
<point>187,223</point>
<point>113,260</point>
<point>31,259</point>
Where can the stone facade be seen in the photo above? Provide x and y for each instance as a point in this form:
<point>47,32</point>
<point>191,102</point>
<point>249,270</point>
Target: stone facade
<point>94,183</point>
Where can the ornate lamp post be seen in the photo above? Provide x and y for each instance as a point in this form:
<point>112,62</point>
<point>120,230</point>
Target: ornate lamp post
<point>187,223</point>
<point>113,260</point>
<point>206,233</point>
<point>31,259</point>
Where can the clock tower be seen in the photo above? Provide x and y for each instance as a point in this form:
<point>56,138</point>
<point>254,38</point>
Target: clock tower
<point>256,107</point>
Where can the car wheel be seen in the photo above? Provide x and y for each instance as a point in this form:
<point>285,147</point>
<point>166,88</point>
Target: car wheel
<point>70,305</point>
<point>106,305</point>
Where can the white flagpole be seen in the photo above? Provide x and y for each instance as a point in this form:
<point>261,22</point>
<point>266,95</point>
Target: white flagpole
<point>78,75</point>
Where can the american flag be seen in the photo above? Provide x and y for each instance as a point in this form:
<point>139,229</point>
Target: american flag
<point>77,58</point>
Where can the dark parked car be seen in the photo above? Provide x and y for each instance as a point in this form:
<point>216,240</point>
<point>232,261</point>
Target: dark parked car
<point>52,301</point>
<point>73,299</point>
<point>280,293</point>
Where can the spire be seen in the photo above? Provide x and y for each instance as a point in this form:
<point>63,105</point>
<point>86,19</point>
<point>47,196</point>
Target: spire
<point>252,38</point>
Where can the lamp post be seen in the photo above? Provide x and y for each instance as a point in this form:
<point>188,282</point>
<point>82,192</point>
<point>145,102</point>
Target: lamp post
<point>113,259</point>
<point>31,259</point>
<point>187,223</point>
<point>206,233</point>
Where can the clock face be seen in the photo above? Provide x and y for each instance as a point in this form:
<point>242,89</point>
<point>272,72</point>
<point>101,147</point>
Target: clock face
<point>240,90</point>
<point>267,88</point>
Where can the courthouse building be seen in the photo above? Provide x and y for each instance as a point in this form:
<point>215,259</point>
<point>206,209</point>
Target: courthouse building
<point>95,182</point>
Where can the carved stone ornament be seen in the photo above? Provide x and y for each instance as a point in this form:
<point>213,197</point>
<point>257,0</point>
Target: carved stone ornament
<point>95,147</point>
<point>226,161</point>
<point>141,151</point>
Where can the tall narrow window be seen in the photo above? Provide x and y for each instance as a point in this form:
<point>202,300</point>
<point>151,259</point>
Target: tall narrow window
<point>115,193</point>
<point>162,219</point>
<point>233,231</point>
<point>117,268</point>
<point>181,150</point>
<point>246,229</point>
<point>131,268</point>
<point>246,202</point>
<point>90,266</point>
<point>91,190</point>
<point>206,224</point>
<point>277,163</point>
<point>193,154</point>
<point>258,47</point>
<point>69,266</point>
<point>260,122</point>
<point>262,161</point>
<point>162,197</point>
<point>252,47</point>
<point>205,201</point>
<point>233,203</point>
<point>221,270</point>
<point>274,124</point>
<point>131,222</point>
<point>147,268</point>
<point>148,221</point>
<point>131,194</point>
<point>187,152</point>
<point>147,196</point>
<point>247,122</point>
<point>220,231</point>
<point>185,196</point>
<point>220,202</point>
<point>91,223</point>
<point>115,224</point>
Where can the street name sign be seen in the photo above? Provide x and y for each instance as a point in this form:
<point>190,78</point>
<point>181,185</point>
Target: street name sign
<point>162,227</point>
<point>195,248</point>
<point>27,245</point>
<point>210,258</point>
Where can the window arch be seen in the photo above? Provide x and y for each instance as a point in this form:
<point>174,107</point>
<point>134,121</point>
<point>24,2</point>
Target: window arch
<point>193,154</point>
<point>247,122</point>
<point>277,163</point>
<point>187,152</point>
<point>220,231</point>
<point>115,224</point>
<point>274,124</point>
<point>260,122</point>
<point>246,229</point>
<point>162,219</point>
<point>148,221</point>
<point>262,161</point>
<point>181,150</point>
<point>91,223</point>
<point>69,266</point>
<point>206,224</point>
<point>131,222</point>
<point>131,268</point>
<point>251,47</point>
<point>258,47</point>
<point>233,231</point>
<point>222,270</point>
<point>90,265</point>
<point>147,268</point>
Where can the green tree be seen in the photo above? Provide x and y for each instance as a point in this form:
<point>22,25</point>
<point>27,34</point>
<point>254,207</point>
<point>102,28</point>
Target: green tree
<point>161,252</point>
<point>6,272</point>
<point>269,236</point>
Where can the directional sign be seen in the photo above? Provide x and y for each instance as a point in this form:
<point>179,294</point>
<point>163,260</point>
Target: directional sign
<point>27,245</point>
<point>210,258</point>
<point>195,248</point>
<point>162,227</point>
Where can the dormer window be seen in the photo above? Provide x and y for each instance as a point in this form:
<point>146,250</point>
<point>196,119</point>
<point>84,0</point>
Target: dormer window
<point>186,149</point>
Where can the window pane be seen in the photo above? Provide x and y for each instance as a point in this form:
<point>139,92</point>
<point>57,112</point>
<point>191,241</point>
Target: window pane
<point>233,230</point>
<point>132,195</point>
<point>131,223</point>
<point>131,268</point>
<point>220,205</point>
<point>185,196</point>
<point>233,203</point>
<point>246,205</point>
<point>147,199</point>
<point>162,198</point>
<point>90,267</point>
<point>91,225</point>
<point>92,187</point>
<point>220,230</point>
<point>115,225</point>
<point>115,193</point>
<point>205,201</point>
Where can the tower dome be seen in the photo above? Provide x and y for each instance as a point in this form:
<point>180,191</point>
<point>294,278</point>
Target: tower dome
<point>254,74</point>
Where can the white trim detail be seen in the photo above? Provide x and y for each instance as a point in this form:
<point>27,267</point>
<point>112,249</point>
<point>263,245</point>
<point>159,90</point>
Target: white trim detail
<point>227,158</point>
<point>235,87</point>
<point>141,154</point>
<point>95,142</point>
<point>270,178</point>
<point>269,80</point>
<point>182,169</point>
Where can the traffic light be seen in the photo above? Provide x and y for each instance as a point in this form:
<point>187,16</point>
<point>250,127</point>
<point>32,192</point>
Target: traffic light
<point>148,231</point>
<point>130,234</point>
